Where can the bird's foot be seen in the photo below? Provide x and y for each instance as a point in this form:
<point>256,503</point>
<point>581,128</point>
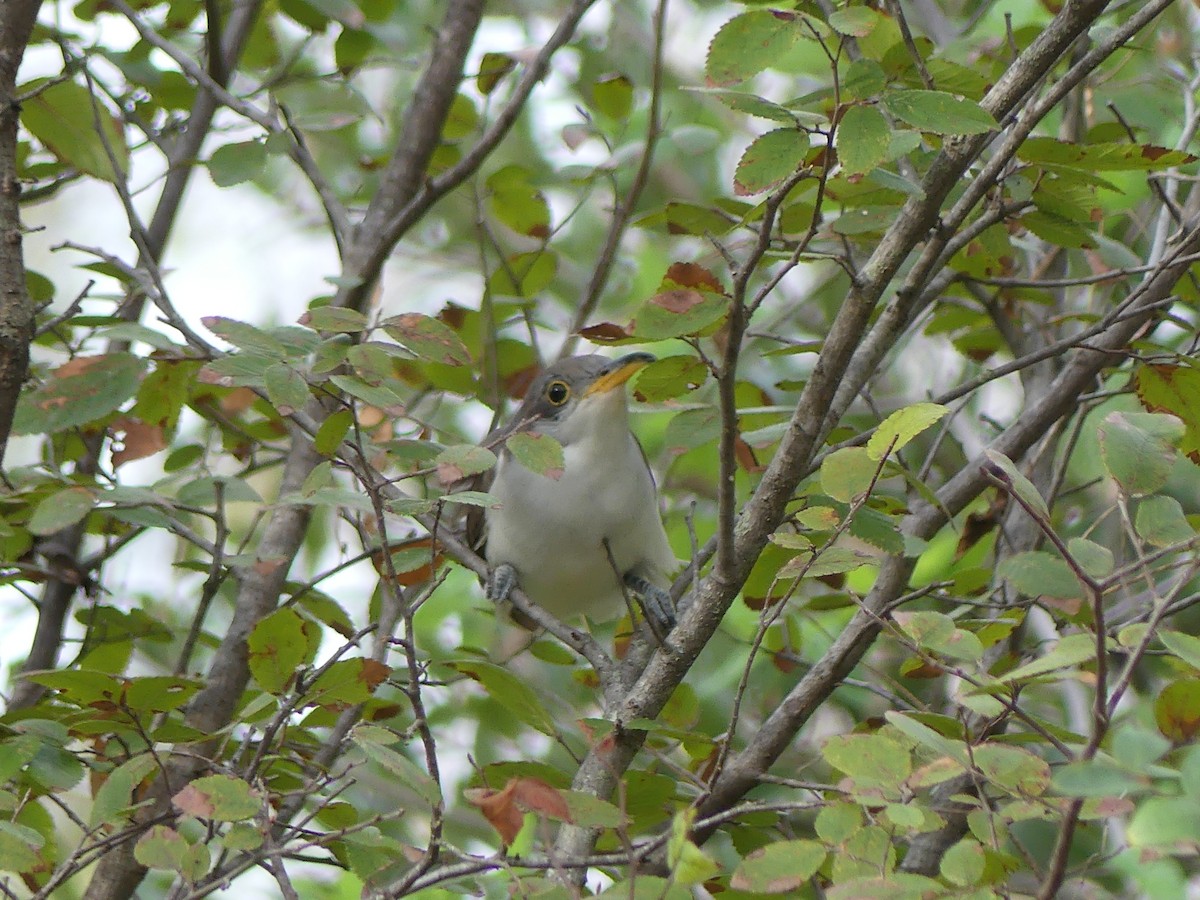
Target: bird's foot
<point>500,583</point>
<point>655,603</point>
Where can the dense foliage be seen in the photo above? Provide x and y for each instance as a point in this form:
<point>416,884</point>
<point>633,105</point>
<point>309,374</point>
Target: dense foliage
<point>921,280</point>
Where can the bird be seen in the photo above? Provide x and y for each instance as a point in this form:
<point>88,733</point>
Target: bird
<point>581,543</point>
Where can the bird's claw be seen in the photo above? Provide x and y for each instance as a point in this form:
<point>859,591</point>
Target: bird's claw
<point>655,602</point>
<point>500,583</point>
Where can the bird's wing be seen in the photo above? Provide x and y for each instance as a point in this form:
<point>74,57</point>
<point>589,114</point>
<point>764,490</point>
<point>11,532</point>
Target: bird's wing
<point>474,530</point>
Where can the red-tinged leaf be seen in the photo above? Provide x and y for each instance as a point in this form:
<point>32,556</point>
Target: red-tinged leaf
<point>770,159</point>
<point>428,339</point>
<point>135,440</point>
<point>779,868</point>
<point>748,43</point>
<point>78,392</point>
<point>223,798</point>
<point>539,453</point>
<point>677,301</point>
<point>457,462</point>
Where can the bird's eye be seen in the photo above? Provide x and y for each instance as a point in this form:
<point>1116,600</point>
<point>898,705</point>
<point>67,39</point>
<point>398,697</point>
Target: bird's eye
<point>557,392</point>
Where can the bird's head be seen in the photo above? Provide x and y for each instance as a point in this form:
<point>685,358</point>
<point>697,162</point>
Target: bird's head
<point>580,395</point>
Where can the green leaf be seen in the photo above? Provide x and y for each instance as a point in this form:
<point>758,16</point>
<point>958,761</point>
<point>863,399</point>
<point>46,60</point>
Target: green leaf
<point>60,510</point>
<point>78,392</point>
<point>165,848</point>
<point>462,460</point>
<point>335,319</point>
<point>349,681</point>
<point>114,798</point>
<point>405,770</point>
<point>902,426</point>
<point>62,117</point>
<point>509,691</point>
<point>836,822</point>
<point>670,377</point>
<point>770,159</point>
<point>376,394</point>
<point>854,21</point>
<point>1038,573</point>
<point>1103,157</point>
<point>863,138</point>
<point>159,693</point>
<point>748,43</point>
<point>1093,558</point>
<point>688,863</point>
<point>964,863</point>
<point>869,759</point>
<point>1002,469</point>
<point>612,95</point>
<point>524,275</point>
<point>1174,390</point>
<point>1177,710</point>
<point>538,453</point>
<point>517,203</point>
<point>678,312</point>
<point>278,646</point>
<point>236,163</point>
<point>245,336</point>
<point>20,848</point>
<point>221,798</point>
<point>1138,449</point>
<point>939,112</point>
<point>1160,522</point>
<point>286,389</point>
<point>848,473</point>
<point>923,734</point>
<point>1070,651</point>
<point>332,432</point>
<point>428,338</point>
<point>1095,778</point>
<point>1012,768</point>
<point>492,68</point>
<point>1185,646</point>
<point>937,632</point>
<point>779,868</point>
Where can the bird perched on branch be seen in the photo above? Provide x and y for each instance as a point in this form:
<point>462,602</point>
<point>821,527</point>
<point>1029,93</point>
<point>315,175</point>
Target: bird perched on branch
<point>583,542</point>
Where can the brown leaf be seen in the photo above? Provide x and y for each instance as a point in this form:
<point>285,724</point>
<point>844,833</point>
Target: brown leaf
<point>194,802</point>
<point>745,456</point>
<point>138,441</point>
<point>448,473</point>
<point>236,401</point>
<point>677,301</point>
<point>537,796</point>
<point>373,673</point>
<point>603,332</point>
<point>515,384</point>
<point>692,275</point>
<point>499,808</point>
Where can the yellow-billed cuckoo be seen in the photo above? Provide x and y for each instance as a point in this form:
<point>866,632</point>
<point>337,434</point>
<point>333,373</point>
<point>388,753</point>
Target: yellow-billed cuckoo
<point>575,544</point>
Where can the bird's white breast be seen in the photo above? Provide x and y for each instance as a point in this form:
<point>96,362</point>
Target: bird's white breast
<point>553,531</point>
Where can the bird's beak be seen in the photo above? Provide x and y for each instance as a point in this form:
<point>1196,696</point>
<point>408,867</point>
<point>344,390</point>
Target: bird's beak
<point>618,372</point>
